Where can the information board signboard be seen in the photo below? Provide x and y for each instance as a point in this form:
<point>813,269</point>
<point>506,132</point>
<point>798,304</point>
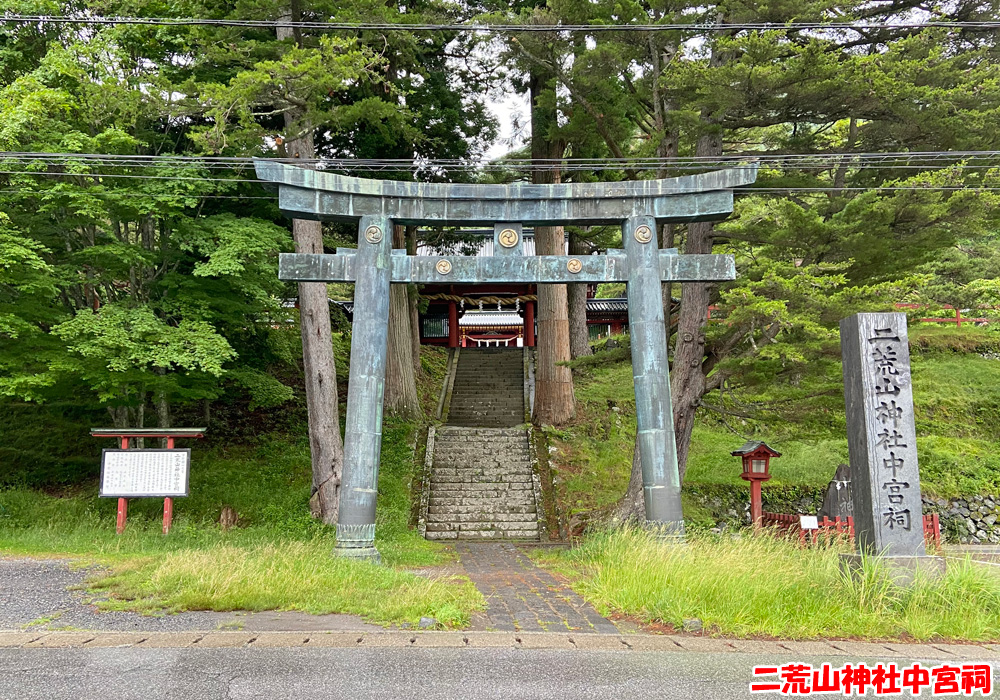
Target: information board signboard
<point>145,473</point>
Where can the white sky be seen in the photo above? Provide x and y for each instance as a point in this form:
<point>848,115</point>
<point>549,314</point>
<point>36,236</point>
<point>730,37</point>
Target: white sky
<point>511,107</point>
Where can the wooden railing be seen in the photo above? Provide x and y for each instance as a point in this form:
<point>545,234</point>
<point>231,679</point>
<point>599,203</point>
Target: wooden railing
<point>958,320</point>
<point>786,523</point>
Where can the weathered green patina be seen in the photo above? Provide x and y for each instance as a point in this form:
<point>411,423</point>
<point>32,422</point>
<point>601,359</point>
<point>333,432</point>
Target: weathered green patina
<point>637,206</point>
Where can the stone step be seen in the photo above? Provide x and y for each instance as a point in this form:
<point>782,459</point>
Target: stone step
<point>484,397</point>
<point>488,415</point>
<point>502,520</point>
<point>508,420</point>
<point>447,430</point>
<point>476,440</point>
<point>485,535</point>
<point>508,492</point>
<point>503,490</point>
<point>489,450</point>
<point>462,468</point>
<point>457,463</point>
<point>477,406</point>
<point>458,459</point>
<point>481,525</point>
<point>514,435</point>
<point>500,504</point>
<point>447,481</point>
<point>466,498</point>
<point>483,447</point>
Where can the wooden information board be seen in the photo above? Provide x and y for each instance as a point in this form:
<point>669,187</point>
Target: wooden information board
<point>145,473</point>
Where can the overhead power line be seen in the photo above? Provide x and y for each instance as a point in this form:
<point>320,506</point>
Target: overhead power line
<point>969,160</point>
<point>697,27</point>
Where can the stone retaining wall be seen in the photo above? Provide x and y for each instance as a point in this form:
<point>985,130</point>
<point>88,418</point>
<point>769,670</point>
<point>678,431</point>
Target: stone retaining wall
<point>964,520</point>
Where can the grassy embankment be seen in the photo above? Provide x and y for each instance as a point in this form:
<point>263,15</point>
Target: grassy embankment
<point>277,557</point>
<point>762,586</point>
<point>957,403</point>
<point>758,585</point>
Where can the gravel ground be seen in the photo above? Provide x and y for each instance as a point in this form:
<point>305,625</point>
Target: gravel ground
<point>36,593</point>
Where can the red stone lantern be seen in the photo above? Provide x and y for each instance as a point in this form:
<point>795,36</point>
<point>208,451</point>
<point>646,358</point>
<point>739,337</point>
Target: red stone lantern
<point>756,469</point>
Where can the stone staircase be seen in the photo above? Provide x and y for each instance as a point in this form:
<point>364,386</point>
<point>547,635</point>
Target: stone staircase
<point>482,486</point>
<point>488,389</point>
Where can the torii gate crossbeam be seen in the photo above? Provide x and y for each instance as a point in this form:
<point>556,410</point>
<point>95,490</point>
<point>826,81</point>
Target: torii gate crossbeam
<point>637,206</point>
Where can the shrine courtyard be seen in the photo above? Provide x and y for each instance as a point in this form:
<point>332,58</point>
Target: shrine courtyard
<point>722,585</point>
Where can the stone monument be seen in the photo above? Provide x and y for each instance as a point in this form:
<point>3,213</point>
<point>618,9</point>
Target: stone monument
<point>882,442</point>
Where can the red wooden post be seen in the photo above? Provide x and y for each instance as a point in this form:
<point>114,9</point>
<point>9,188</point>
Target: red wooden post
<point>452,324</point>
<point>958,317</point>
<point>756,504</point>
<point>529,324</point>
<point>168,503</point>
<point>122,502</point>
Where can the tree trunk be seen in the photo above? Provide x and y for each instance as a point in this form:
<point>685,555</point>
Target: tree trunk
<point>413,297</point>
<point>162,408</point>
<point>687,381</point>
<point>325,444</point>
<point>632,507</point>
<point>576,296</point>
<point>687,384</point>
<point>554,400</point>
<point>400,382</point>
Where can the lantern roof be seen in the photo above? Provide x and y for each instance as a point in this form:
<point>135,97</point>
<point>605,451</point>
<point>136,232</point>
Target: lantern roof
<point>755,447</point>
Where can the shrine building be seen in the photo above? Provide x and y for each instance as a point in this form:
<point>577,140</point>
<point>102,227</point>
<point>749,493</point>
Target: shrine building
<point>498,315</point>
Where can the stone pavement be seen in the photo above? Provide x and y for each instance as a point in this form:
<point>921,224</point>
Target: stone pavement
<point>400,639</point>
<point>521,597</point>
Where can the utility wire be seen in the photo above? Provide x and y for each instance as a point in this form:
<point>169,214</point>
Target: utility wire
<point>965,160</point>
<point>495,28</point>
<point>417,160</point>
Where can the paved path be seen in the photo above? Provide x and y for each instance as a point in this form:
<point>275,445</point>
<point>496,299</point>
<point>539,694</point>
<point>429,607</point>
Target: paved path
<point>378,673</point>
<point>522,597</point>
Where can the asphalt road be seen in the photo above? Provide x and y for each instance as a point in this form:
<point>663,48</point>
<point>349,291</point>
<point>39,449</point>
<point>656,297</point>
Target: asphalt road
<point>48,594</point>
<point>367,674</point>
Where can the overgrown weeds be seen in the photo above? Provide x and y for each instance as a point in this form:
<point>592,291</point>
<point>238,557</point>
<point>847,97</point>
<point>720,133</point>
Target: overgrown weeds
<point>287,576</point>
<point>763,586</point>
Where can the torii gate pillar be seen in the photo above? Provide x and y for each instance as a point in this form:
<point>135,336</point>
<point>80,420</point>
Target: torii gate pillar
<point>661,485</point>
<point>637,206</point>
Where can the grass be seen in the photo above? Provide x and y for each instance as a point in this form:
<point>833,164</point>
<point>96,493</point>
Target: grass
<point>957,401</point>
<point>284,576</point>
<point>762,586</point>
<point>277,558</point>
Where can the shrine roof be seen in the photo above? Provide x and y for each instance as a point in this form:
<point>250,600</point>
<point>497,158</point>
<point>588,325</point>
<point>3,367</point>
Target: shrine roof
<point>751,446</point>
<point>619,305</point>
<point>490,318</point>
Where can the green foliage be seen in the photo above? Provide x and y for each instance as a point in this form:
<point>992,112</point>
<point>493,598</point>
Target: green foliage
<point>800,413</point>
<point>730,584</point>
<point>278,557</point>
<point>265,391</point>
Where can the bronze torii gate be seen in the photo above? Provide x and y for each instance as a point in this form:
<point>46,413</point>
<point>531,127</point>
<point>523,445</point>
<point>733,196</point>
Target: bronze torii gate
<point>638,206</point>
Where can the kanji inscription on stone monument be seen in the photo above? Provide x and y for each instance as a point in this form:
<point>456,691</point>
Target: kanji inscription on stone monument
<point>881,434</point>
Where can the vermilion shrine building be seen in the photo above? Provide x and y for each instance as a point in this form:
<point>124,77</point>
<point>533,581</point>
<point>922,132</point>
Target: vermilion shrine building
<point>488,315</point>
